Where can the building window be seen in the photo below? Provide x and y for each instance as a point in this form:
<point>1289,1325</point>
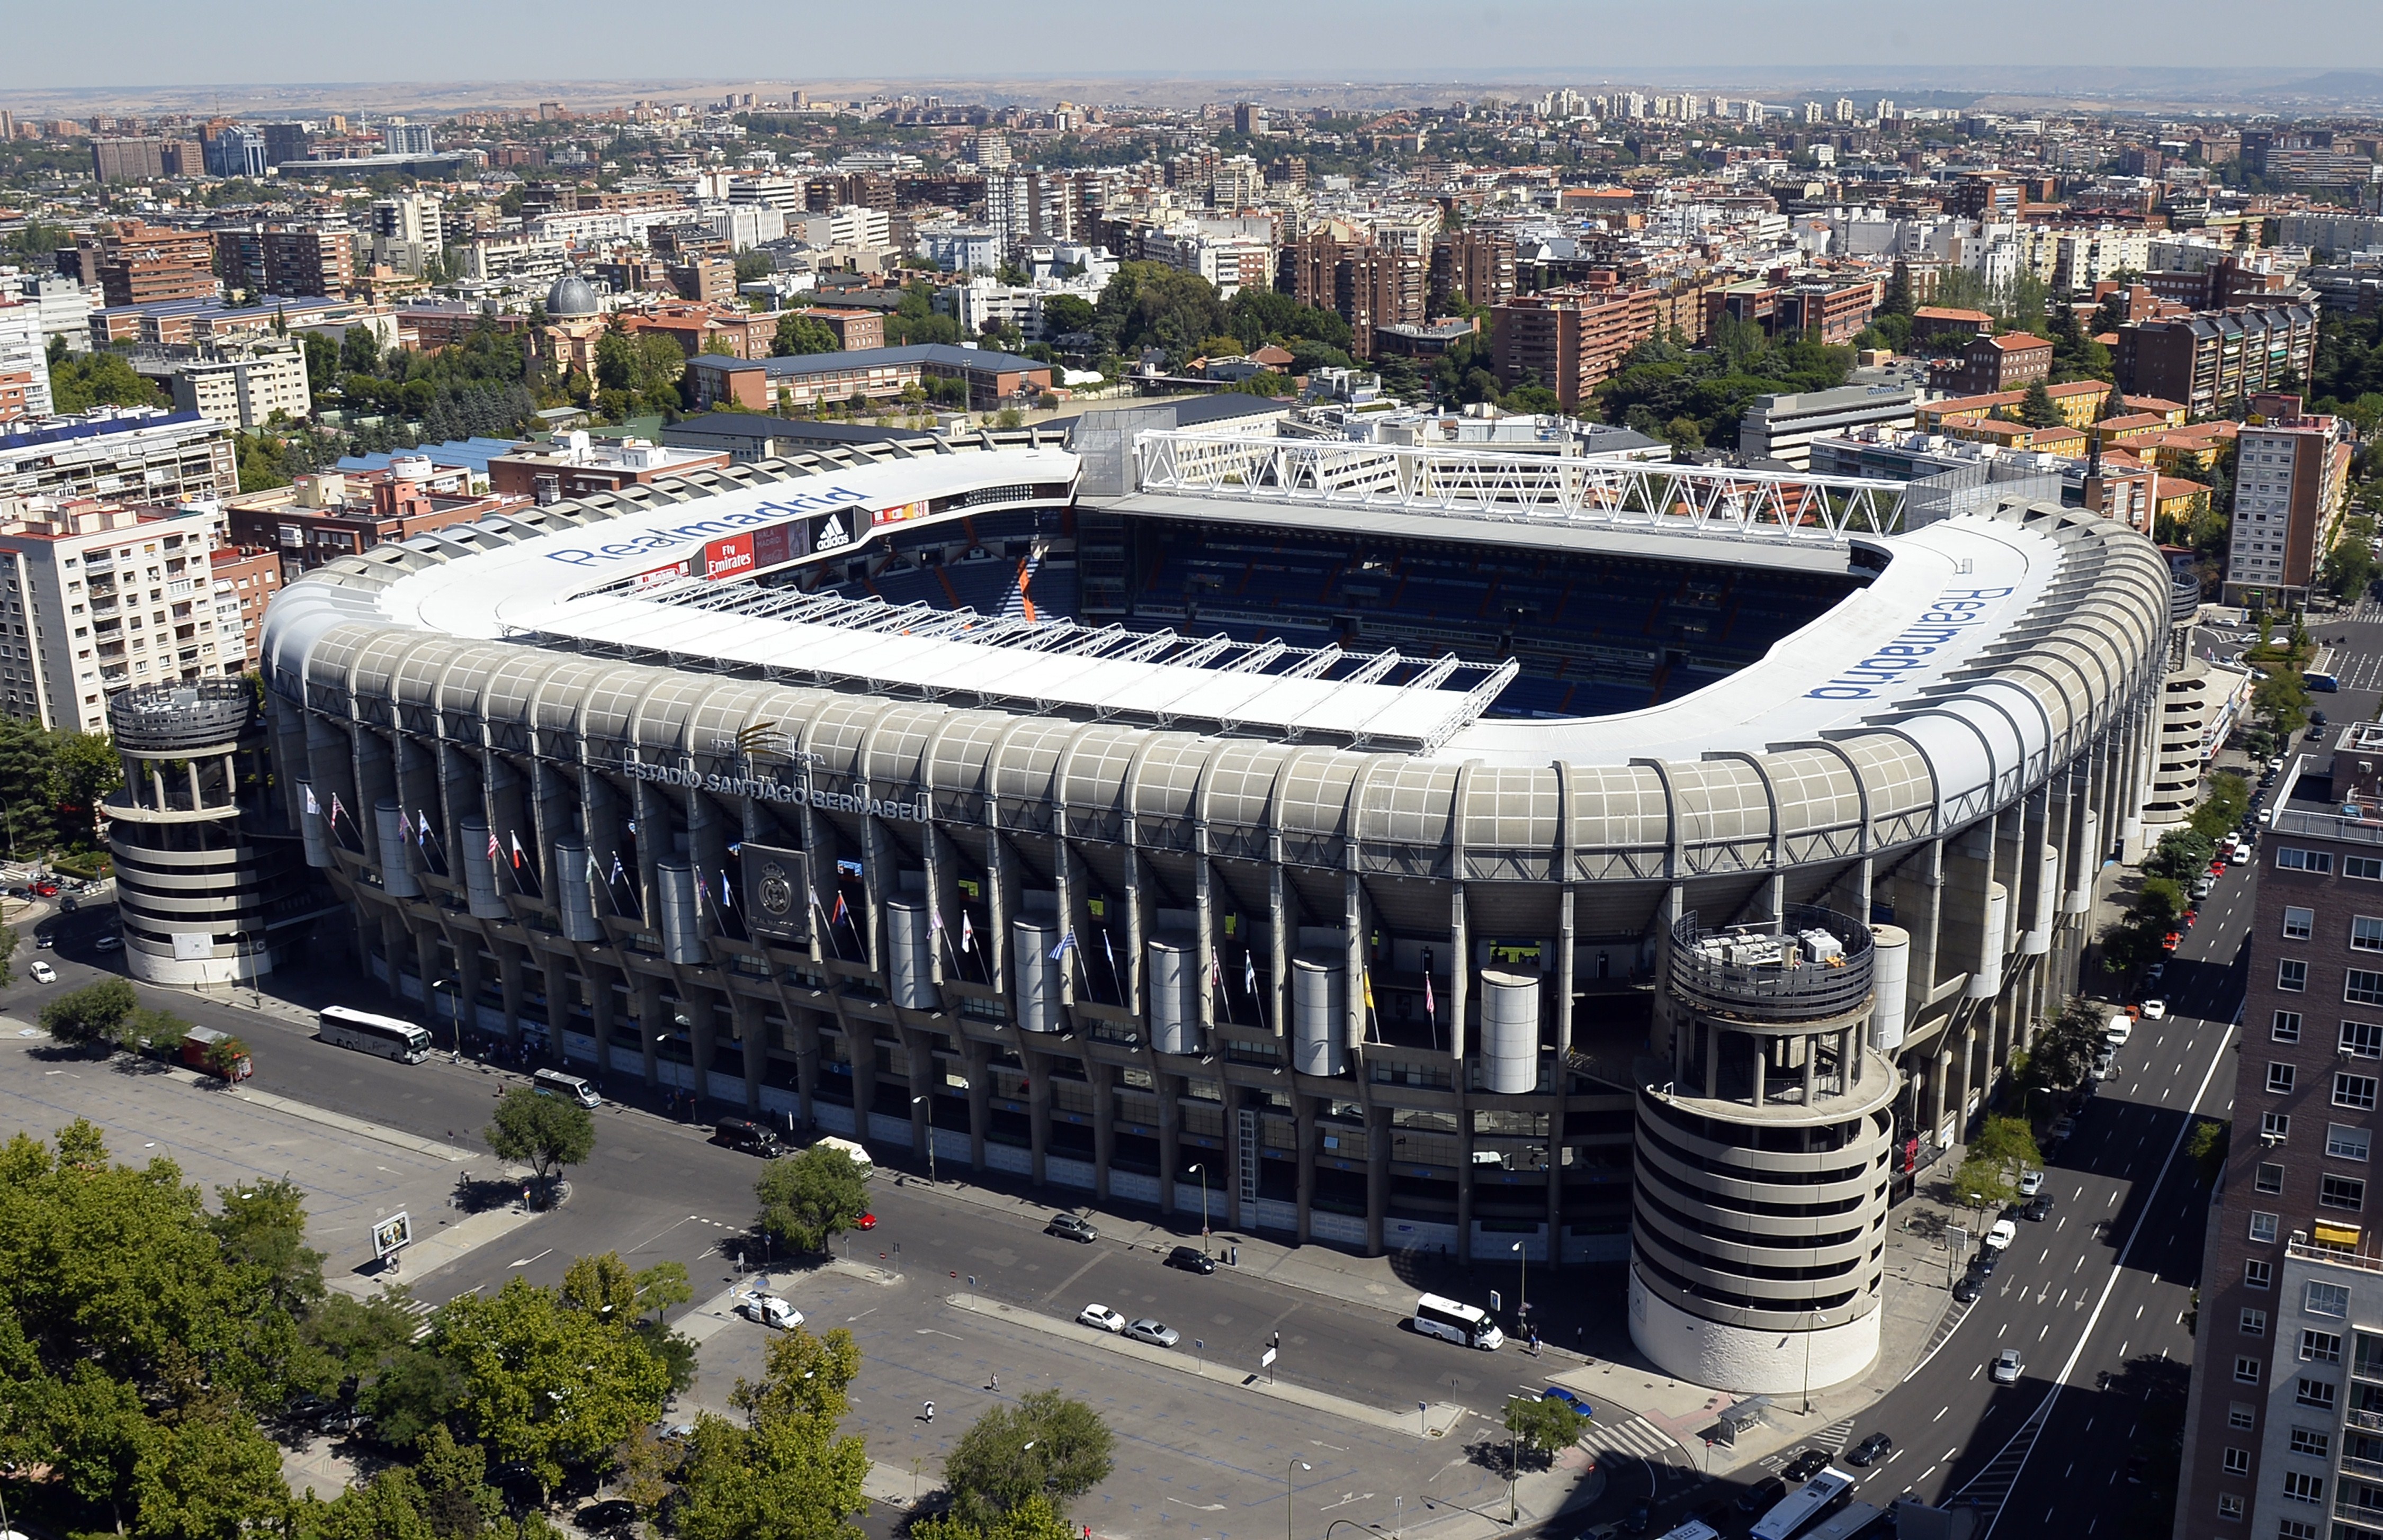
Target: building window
<point>2305,860</point>
<point>2362,1039</point>
<point>2320,1346</point>
<point>2303,1487</point>
<point>2368,867</point>
<point>2327,1298</point>
<point>2238,1463</point>
<point>2287,1028</point>
<point>2279,1078</point>
<point>2257,1273</point>
<point>2315,1393</point>
<point>2273,1126</point>
<point>2366,933</point>
<point>2298,923</point>
<point>2242,1415</point>
<point>2228,1506</point>
<point>2292,1529</point>
<point>2341,1192</point>
<point>2270,1177</point>
<point>2343,1142</point>
<point>2263,1226</point>
<point>2360,988</point>
<point>2354,1091</point>
<point>2254,1322</point>
<point>2246,1369</point>
<point>2309,1441</point>
<point>2292,975</point>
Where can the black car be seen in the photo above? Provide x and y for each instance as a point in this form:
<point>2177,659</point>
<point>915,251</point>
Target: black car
<point>1868,1450</point>
<point>1983,1265</point>
<point>1968,1288</point>
<point>1638,1520</point>
<point>1761,1495</point>
<point>2039,1207</point>
<point>602,1517</point>
<point>1068,1226</point>
<point>752,1138</point>
<point>1191,1259</point>
<point>1805,1466</point>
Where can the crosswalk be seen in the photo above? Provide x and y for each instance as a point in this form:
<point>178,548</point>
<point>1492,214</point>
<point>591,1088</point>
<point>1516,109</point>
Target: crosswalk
<point>1636,1437</point>
<point>420,1310</point>
<point>1829,1440</point>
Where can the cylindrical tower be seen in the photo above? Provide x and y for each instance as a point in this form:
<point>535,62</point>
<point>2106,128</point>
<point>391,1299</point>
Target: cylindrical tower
<point>1762,1162</point>
<point>208,875</point>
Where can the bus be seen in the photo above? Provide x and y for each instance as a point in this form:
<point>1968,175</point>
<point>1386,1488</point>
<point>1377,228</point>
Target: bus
<point>385,1036</point>
<point>1695,1529</point>
<point>2324,682</point>
<point>1455,1321</point>
<point>1856,1521</point>
<point>1823,1495</point>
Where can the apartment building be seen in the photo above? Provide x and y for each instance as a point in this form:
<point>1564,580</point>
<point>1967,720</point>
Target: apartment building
<point>245,579</point>
<point>2284,1421</point>
<point>244,393</point>
<point>1782,427</point>
<point>310,260</point>
<point>409,233</point>
<point>1478,265</point>
<point>2011,362</point>
<point>1568,340</point>
<point>24,362</point>
<point>2214,360</point>
<point>876,375</point>
<point>2290,477</point>
<point>320,518</point>
<point>135,263</point>
<point>120,451</point>
<point>99,595</point>
<point>578,466</point>
<point>1365,282</point>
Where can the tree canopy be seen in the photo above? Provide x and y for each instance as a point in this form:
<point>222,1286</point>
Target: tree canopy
<point>547,1133</point>
<point>808,1198</point>
<point>784,1473</point>
<point>1046,1445</point>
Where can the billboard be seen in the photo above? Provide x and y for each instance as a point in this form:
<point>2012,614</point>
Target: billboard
<point>729,557</point>
<point>901,512</point>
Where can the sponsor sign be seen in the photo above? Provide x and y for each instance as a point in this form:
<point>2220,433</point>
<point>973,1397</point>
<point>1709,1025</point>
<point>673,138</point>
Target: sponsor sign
<point>901,512</point>
<point>659,576</point>
<point>777,892</point>
<point>1955,613</point>
<point>698,532</point>
<point>729,557</point>
<point>768,788</point>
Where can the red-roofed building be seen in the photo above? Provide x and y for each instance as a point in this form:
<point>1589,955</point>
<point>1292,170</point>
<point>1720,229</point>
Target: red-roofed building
<point>1935,322</point>
<point>2011,362</point>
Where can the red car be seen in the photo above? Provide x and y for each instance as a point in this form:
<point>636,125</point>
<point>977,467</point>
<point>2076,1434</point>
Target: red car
<point>2167,942</point>
<point>2189,917</point>
<point>866,1222</point>
<point>45,889</point>
<point>2217,868</point>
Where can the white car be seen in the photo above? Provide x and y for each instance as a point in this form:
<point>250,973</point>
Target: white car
<point>2121,1027</point>
<point>2002,1235</point>
<point>43,972</point>
<point>107,944</point>
<point>2154,1010</point>
<point>1157,1333</point>
<point>2030,1183</point>
<point>2007,1365</point>
<point>770,1310</point>
<point>1101,1316</point>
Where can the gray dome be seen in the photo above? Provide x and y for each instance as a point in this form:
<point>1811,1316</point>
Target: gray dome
<point>571,296</point>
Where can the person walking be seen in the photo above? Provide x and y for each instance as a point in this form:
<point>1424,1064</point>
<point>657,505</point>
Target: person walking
<point>931,1412</point>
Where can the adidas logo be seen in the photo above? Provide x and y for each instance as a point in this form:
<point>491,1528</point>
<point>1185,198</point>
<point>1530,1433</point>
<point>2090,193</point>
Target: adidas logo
<point>831,535</point>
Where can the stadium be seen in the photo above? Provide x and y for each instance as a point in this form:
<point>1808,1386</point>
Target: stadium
<point>1399,848</point>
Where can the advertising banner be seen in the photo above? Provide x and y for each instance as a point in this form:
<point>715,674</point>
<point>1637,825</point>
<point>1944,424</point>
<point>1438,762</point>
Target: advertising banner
<point>729,557</point>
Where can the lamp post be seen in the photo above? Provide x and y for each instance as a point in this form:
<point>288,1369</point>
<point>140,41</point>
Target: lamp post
<point>1296,1464</point>
<point>1203,1170</point>
<point>1513,1452</point>
<point>1521,1288</point>
<point>1811,1322</point>
<point>452,987</point>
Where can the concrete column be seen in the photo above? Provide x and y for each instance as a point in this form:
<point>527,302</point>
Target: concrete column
<point>980,1097</point>
<point>806,1066</point>
<point>926,1074</point>
<point>1102,1076</point>
<point>653,1021</point>
<point>1038,1106</point>
<point>1303,1117</point>
<point>748,1020</point>
<point>1170,1136</point>
<point>1377,1177</point>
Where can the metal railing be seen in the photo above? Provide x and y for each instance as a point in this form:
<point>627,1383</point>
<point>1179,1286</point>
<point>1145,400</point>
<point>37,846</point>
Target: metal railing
<point>1762,972</point>
<point>1508,487</point>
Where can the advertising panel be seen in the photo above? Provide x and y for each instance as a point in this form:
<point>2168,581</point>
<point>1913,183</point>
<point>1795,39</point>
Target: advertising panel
<point>659,576</point>
<point>729,557</point>
<point>777,892</point>
<point>901,512</point>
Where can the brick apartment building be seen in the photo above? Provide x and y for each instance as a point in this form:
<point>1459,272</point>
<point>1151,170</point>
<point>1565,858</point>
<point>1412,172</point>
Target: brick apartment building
<point>245,579</point>
<point>2284,1421</point>
<point>1568,340</point>
<point>309,262</point>
<point>2214,360</point>
<point>578,466</point>
<point>2290,475</point>
<point>322,517</point>
<point>2011,362</point>
<point>1830,313</point>
<point>133,263</point>
<point>1478,265</point>
<point>1365,283</point>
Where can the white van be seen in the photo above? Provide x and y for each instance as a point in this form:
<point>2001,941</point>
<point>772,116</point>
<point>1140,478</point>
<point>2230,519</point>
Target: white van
<point>571,1088</point>
<point>1454,1321</point>
<point>859,1157</point>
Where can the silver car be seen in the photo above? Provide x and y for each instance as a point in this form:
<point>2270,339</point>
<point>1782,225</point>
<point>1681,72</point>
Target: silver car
<point>1157,1333</point>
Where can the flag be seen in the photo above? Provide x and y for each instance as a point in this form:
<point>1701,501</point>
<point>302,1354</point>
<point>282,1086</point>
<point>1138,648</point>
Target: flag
<point>494,852</point>
<point>1368,976</point>
<point>726,901</point>
<point>594,873</point>
<point>517,849</point>
<point>1430,1007</point>
<point>336,808</point>
<point>404,825</point>
<point>968,932</point>
<point>1248,973</point>
<point>422,826</point>
<point>934,917</point>
<point>840,912</point>
<point>1215,972</point>
<point>737,847</point>
<point>1067,944</point>
<point>1111,950</point>
<point>314,808</point>
<point>618,875</point>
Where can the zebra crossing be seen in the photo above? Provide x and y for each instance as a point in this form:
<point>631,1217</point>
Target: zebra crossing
<point>1829,1440</point>
<point>420,1310</point>
<point>1636,1437</point>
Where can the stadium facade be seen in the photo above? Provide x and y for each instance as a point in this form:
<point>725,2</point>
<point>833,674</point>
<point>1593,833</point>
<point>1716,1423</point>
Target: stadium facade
<point>1390,848</point>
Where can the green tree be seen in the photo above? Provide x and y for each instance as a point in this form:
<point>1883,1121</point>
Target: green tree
<point>7,951</point>
<point>2063,1053</point>
<point>91,1014</point>
<point>2227,800</point>
<point>1543,1426</point>
<point>2206,1148</point>
<point>2008,1142</point>
<point>209,1476</point>
<point>546,1133</point>
<point>2038,409</point>
<point>85,770</point>
<point>1064,314</point>
<point>412,1393</point>
<point>359,351</point>
<point>1047,1444</point>
<point>1148,304</point>
<point>85,380</point>
<point>545,1383</point>
<point>806,1198</point>
<point>263,1226</point>
<point>800,334</point>
<point>1035,1518</point>
<point>2280,702</point>
<point>2180,855</point>
<point>1981,1184</point>
<point>783,1474</point>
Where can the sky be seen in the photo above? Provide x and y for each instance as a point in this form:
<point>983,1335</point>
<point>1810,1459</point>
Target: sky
<point>173,43</point>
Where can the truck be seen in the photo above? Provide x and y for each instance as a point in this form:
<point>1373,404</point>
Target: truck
<point>217,1052</point>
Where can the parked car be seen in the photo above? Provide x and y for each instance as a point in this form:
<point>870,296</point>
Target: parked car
<point>866,1222</point>
<point>1868,1450</point>
<point>2154,974</point>
<point>1558,1392</point>
<point>1761,1495</point>
<point>2063,1126</point>
<point>108,944</point>
<point>2002,1233</point>
<point>612,1513</point>
<point>2217,867</point>
<point>2154,1010</point>
<point>2007,1365</point>
<point>1191,1259</point>
<point>752,1138</point>
<point>1158,1334</point>
<point>45,940</point>
<point>2039,1207</point>
<point>42,973</point>
<point>1970,1287</point>
<point>1068,1226</point>
<point>1640,1517</point>
<point>1102,1317</point>
<point>769,1311</point>
<point>2030,1183</point>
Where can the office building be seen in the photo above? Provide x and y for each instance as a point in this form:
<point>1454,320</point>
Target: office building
<point>2290,475</point>
<point>408,138</point>
<point>1783,427</point>
<point>2012,361</point>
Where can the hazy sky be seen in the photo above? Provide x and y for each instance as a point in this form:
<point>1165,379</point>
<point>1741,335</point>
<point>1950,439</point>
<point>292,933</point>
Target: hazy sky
<point>156,42</point>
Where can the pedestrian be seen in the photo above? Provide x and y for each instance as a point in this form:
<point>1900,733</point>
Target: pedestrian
<point>931,1412</point>
<point>994,1383</point>
<point>1535,1341</point>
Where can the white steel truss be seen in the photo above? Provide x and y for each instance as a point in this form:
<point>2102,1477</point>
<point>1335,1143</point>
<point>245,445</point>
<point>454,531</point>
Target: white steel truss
<point>1701,500</point>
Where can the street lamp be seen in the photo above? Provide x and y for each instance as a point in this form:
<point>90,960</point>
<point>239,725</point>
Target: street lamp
<point>1296,1464</point>
<point>931,1139</point>
<point>1203,1170</point>
<point>454,986</point>
<point>1523,1289</point>
<point>1514,1453</point>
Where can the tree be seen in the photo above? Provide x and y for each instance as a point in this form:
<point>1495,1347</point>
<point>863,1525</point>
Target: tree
<point>2037,410</point>
<point>359,351</point>
<point>2063,1053</point>
<point>2223,808</point>
<point>1065,314</point>
<point>1981,1184</point>
<point>150,1030</point>
<point>545,1383</point>
<point>807,1198</point>
<point>263,1226</point>
<point>1899,300</point>
<point>7,951</point>
<point>84,770</point>
<point>799,334</point>
<point>785,1474</point>
<point>2181,854</point>
<point>89,1015</point>
<point>2280,702</point>
<point>1035,1519</point>
<point>2206,1146</point>
<point>992,1470</point>
<point>85,380</point>
<point>210,1476</point>
<point>1543,1425</point>
<point>2008,1142</point>
<point>544,1132</point>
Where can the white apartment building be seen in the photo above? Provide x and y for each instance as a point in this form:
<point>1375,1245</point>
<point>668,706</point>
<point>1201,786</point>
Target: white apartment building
<point>245,392</point>
<point>409,233</point>
<point>94,597</point>
<point>24,363</point>
<point>982,301</point>
<point>64,305</point>
<point>2288,481</point>
<point>531,263</point>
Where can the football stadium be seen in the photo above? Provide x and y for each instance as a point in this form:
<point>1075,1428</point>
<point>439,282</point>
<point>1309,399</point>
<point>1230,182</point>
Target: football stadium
<point>1402,848</point>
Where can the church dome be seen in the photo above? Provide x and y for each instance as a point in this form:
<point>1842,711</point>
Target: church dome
<point>571,296</point>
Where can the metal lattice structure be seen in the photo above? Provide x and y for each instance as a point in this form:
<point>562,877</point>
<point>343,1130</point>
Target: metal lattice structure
<point>1707,501</point>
